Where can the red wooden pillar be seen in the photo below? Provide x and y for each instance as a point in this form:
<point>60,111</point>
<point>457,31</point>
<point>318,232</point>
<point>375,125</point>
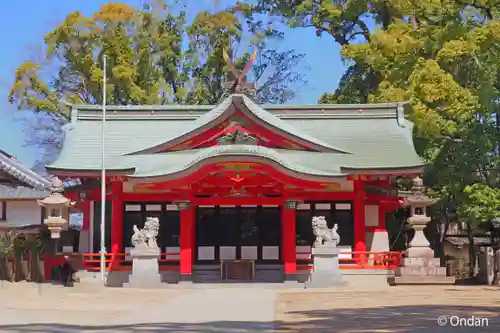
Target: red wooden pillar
<point>288,243</point>
<point>187,240</point>
<point>359,216</point>
<point>86,214</point>
<point>116,222</point>
<point>381,216</point>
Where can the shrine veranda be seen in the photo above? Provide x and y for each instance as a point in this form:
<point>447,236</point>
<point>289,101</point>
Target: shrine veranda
<point>239,181</point>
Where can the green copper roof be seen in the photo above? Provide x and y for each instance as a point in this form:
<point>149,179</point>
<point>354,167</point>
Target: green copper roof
<point>354,138</point>
<point>246,105</point>
<point>170,163</point>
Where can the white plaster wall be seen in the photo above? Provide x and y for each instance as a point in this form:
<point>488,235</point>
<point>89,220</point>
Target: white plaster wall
<point>20,213</point>
<point>377,241</point>
<point>371,216</point>
<point>84,241</point>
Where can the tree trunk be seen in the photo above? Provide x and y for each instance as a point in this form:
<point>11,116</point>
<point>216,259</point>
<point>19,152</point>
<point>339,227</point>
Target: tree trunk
<point>497,268</point>
<point>19,268</point>
<point>442,230</point>
<point>472,250</point>
<point>35,272</point>
<point>5,268</point>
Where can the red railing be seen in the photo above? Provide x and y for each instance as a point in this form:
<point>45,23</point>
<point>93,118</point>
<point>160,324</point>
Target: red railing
<point>348,260</point>
<point>118,262</point>
<point>358,260</point>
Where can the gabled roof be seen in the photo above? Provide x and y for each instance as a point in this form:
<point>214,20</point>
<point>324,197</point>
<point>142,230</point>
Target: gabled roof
<point>245,105</point>
<point>10,165</point>
<point>25,183</point>
<point>21,192</point>
<point>349,138</point>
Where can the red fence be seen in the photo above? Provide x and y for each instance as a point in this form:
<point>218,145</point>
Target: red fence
<point>355,260</point>
<point>358,260</point>
<point>118,262</point>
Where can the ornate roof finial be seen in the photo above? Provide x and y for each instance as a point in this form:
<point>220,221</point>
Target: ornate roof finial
<point>237,83</point>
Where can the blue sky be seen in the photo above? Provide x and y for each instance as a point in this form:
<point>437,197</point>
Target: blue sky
<point>24,23</point>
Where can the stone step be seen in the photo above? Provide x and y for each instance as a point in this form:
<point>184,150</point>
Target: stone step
<point>90,277</point>
<point>261,276</point>
<point>420,280</point>
<point>420,271</point>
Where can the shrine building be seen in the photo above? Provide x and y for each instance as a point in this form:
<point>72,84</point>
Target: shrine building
<point>238,181</point>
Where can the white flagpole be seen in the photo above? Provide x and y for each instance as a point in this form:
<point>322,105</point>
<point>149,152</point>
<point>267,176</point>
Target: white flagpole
<point>103,174</point>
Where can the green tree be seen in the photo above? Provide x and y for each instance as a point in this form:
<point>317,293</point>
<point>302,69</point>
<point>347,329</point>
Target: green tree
<point>154,57</point>
<point>441,56</point>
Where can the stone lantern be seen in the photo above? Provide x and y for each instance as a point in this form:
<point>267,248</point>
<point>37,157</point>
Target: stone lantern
<point>57,207</point>
<point>419,266</point>
<point>418,202</point>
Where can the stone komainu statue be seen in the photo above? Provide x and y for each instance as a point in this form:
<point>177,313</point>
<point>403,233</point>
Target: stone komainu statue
<point>322,233</point>
<point>146,237</point>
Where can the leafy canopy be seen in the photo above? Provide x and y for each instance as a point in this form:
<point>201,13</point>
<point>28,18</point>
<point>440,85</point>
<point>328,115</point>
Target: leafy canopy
<point>154,57</point>
<point>442,57</point>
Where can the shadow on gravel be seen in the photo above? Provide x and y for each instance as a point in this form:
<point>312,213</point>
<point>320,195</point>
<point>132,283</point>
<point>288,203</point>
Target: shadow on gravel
<point>413,319</point>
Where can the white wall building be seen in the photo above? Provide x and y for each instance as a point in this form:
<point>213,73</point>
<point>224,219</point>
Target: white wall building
<point>20,188</point>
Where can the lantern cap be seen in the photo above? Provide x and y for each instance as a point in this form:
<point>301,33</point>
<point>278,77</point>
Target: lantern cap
<point>56,197</point>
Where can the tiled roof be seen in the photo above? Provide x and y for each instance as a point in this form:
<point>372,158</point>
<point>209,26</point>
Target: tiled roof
<point>354,137</point>
<point>245,104</point>
<point>35,185</point>
<point>461,241</point>
<point>16,169</point>
<point>21,192</point>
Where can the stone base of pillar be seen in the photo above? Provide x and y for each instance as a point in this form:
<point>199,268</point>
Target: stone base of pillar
<point>291,279</point>
<point>326,271</point>
<point>185,279</point>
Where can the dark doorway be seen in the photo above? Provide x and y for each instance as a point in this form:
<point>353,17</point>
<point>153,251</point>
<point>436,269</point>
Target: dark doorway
<point>168,235</point>
<point>339,212</point>
<point>252,233</point>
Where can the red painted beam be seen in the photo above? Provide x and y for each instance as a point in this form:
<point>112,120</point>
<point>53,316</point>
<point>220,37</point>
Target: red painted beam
<point>208,139</point>
<point>238,201</point>
<point>251,126</point>
<point>304,196</point>
<point>300,196</point>
<point>199,174</point>
<point>213,140</point>
<point>198,139</point>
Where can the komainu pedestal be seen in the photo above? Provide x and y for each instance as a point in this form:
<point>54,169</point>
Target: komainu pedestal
<point>145,255</point>
<point>326,270</point>
<point>145,270</point>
